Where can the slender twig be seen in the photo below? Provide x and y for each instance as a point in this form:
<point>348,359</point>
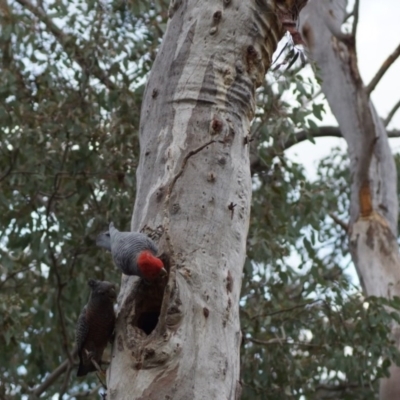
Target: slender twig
<point>11,166</point>
<point>60,287</point>
<point>284,310</point>
<point>74,259</point>
<point>69,175</point>
<point>8,172</point>
<point>341,223</point>
<point>391,113</point>
<point>348,15</point>
<point>57,179</point>
<point>66,380</point>
<point>384,67</point>
<point>301,136</point>
<point>53,376</point>
<point>6,19</point>
<point>97,366</point>
<point>8,55</point>
<point>92,192</point>
<point>100,373</point>
<point>281,341</point>
<point>11,275</point>
<point>324,131</point>
<point>339,388</point>
<point>356,12</point>
<point>68,42</point>
<point>59,196</point>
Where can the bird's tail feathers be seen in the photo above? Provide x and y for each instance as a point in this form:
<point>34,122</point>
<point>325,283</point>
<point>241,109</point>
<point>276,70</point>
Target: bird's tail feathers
<point>85,369</point>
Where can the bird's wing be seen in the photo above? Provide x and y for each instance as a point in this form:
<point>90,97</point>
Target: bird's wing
<point>82,329</point>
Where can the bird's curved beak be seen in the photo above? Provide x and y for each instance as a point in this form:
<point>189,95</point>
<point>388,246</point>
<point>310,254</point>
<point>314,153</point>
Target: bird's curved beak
<point>163,272</point>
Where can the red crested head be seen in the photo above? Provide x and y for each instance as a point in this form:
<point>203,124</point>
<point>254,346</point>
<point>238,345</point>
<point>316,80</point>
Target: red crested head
<point>149,266</point>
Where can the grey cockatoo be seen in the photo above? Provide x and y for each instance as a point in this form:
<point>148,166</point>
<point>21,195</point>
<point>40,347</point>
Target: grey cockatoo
<point>133,253</point>
<point>95,325</point>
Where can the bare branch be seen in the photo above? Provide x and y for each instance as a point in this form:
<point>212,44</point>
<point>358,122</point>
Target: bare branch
<point>385,66</point>
<point>281,341</point>
<point>66,380</point>
<point>5,18</point>
<point>355,13</point>
<point>391,113</point>
<point>289,309</point>
<point>12,275</point>
<point>13,159</point>
<point>68,42</point>
<point>301,136</point>
<point>326,391</point>
<point>341,223</point>
<point>285,143</point>
<point>53,376</point>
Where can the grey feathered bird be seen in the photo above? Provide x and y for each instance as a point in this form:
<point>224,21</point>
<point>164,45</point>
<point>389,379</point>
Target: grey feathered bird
<point>133,253</point>
<point>95,325</point>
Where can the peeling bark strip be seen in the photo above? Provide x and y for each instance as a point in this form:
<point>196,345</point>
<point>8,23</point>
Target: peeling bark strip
<point>181,340</point>
<point>374,205</point>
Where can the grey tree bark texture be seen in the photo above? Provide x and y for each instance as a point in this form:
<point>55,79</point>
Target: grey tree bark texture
<point>193,197</point>
<point>374,205</point>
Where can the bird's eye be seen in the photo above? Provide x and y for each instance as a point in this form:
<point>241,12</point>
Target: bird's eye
<point>108,234</point>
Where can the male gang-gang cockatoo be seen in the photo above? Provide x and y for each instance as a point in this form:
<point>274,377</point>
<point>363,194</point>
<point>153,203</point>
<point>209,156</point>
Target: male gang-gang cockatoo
<point>133,253</point>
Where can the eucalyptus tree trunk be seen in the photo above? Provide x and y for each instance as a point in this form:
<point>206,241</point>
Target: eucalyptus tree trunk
<point>193,195</point>
<point>374,206</point>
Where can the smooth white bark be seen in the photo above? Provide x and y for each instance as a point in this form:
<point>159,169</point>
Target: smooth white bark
<point>374,205</point>
<point>194,193</point>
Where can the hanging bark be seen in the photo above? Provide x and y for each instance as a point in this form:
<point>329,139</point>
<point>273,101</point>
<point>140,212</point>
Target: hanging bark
<point>374,206</point>
<point>193,194</point>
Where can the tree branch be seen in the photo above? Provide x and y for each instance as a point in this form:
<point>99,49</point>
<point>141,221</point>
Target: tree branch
<point>341,223</point>
<point>356,15</point>
<point>53,376</point>
<point>11,275</point>
<point>301,136</point>
<point>60,287</point>
<point>327,391</point>
<point>68,42</point>
<point>385,66</point>
<point>325,131</point>
<point>281,341</point>
<point>289,309</point>
<point>391,113</point>
<point>66,380</point>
